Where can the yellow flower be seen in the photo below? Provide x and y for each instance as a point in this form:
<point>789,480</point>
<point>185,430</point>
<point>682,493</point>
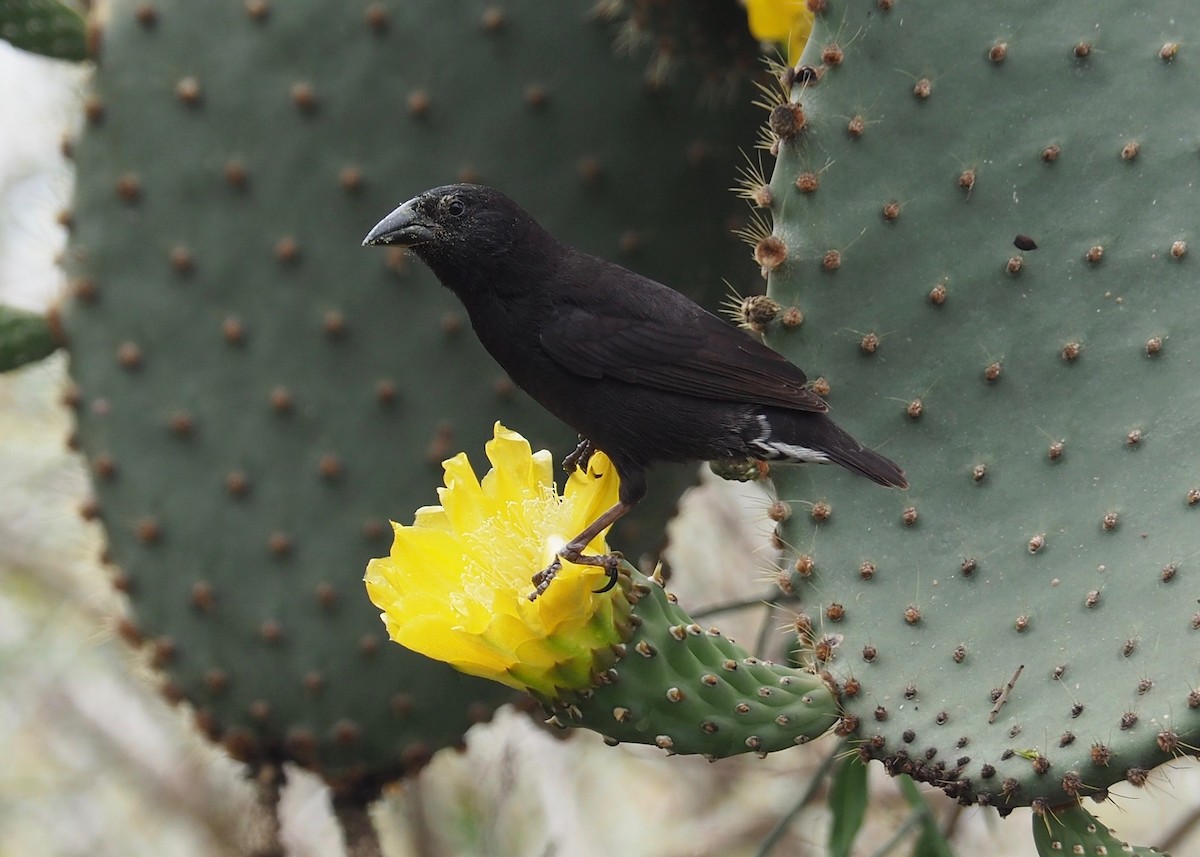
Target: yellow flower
<point>456,584</point>
<point>788,21</point>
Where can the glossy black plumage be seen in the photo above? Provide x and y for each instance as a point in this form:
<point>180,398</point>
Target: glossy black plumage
<point>638,369</point>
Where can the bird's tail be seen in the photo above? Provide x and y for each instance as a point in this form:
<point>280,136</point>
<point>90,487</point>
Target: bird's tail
<point>808,437</point>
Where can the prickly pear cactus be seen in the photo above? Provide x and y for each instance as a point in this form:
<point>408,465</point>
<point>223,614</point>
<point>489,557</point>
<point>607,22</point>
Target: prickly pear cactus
<point>256,389</point>
<point>26,337</point>
<point>689,689</point>
<point>49,27</point>
<point>986,216</point>
<point>1073,830</point>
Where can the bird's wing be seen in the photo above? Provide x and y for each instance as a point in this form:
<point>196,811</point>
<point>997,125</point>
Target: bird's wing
<point>698,355</point>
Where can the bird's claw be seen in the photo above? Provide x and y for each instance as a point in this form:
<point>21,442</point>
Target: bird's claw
<point>581,457</point>
<point>610,569</point>
<point>610,562</point>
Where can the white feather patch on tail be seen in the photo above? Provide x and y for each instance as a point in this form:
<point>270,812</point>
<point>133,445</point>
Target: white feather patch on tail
<point>774,450</point>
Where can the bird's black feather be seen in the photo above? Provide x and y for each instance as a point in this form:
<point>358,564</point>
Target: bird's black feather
<point>681,348</point>
<point>637,368</point>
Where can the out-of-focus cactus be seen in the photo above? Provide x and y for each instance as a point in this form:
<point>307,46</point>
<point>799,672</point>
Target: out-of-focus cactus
<point>1074,830</point>
<point>49,27</point>
<point>256,391</point>
<point>26,337</point>
<point>705,39</point>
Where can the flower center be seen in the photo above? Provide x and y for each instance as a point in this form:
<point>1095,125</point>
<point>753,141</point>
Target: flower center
<point>520,538</point>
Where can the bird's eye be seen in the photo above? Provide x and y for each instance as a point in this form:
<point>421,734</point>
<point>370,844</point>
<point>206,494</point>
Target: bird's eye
<point>455,208</point>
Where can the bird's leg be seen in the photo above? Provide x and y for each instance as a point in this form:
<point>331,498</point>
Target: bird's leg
<point>580,458</point>
<point>572,551</point>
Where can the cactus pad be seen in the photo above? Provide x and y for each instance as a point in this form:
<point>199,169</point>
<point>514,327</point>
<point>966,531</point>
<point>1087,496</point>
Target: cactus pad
<point>26,337</point>
<point>984,214</point>
<point>258,393</point>
<point>688,689</point>
<point>48,27</point>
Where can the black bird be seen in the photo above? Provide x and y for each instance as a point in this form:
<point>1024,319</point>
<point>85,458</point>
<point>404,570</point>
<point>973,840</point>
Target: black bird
<point>639,370</point>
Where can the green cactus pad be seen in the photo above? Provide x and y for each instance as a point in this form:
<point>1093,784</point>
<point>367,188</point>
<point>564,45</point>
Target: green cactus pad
<point>259,393</point>
<point>47,27</point>
<point>26,337</point>
<point>688,689</point>
<point>1074,830</point>
<point>984,212</point>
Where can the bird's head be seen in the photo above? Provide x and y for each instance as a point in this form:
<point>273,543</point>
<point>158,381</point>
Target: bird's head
<point>463,223</point>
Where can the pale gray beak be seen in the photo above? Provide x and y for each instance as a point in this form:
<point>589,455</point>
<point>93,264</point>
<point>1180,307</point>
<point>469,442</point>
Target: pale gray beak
<point>406,226</point>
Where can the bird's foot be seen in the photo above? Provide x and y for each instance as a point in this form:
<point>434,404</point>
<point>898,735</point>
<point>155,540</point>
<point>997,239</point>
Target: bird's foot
<point>542,579</point>
<point>581,457</point>
<point>610,562</point>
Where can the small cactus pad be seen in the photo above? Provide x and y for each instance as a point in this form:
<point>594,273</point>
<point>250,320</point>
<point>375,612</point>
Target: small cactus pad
<point>49,27</point>
<point>26,337</point>
<point>984,212</point>
<point>259,393</point>
<point>1074,830</point>
<point>689,689</point>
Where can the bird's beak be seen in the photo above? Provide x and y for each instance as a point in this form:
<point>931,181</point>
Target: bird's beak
<point>405,226</point>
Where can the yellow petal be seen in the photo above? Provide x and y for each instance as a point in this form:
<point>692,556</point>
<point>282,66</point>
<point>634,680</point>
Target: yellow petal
<point>543,471</point>
<point>430,517</point>
<point>798,36</point>
<point>787,21</point>
<point>512,476</point>
<point>465,652</point>
<point>426,558</point>
<point>572,599</point>
<point>771,20</point>
<point>462,498</point>
<point>591,494</point>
